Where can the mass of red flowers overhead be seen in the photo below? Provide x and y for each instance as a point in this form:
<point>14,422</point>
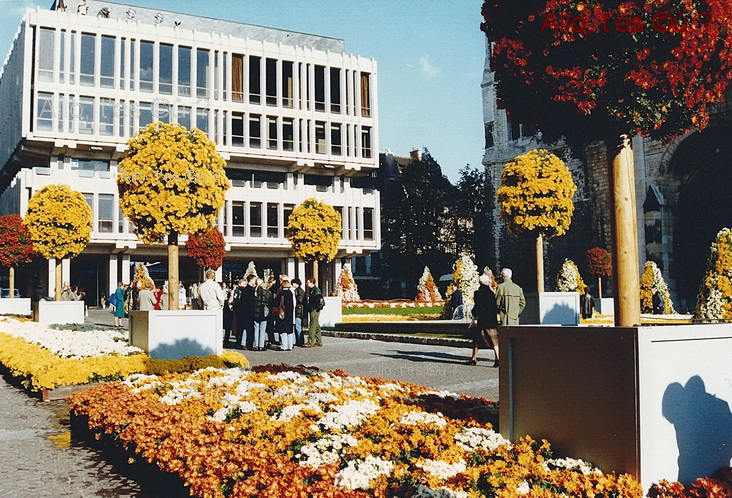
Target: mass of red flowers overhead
<point>15,245</point>
<point>207,248</point>
<point>599,262</point>
<point>650,67</point>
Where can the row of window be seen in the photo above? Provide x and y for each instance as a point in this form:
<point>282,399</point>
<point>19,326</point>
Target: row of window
<point>146,66</point>
<point>118,118</point>
<point>252,219</point>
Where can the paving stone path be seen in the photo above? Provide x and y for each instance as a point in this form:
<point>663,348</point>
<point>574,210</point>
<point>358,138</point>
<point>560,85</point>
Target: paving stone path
<point>39,459</point>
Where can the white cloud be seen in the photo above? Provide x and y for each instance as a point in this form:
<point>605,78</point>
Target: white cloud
<point>19,8</point>
<point>427,68</point>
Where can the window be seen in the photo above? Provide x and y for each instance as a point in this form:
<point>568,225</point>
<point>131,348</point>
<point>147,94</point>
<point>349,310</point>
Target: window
<point>44,111</point>
<point>86,115</point>
<point>184,71</point>
<point>61,55</point>
<point>89,165</point>
<point>273,221</point>
<point>133,64</point>
<point>335,139</point>
<point>237,78</point>
<point>350,225</point>
<point>87,59</point>
<point>106,70</point>
<point>46,54</point>
<point>272,132</point>
<point>489,135</point>
<point>122,50</point>
<point>368,223</point>
<point>202,120</point>
<point>319,88</point>
<point>237,129</point>
<point>184,116</point>
<point>120,220</point>
<point>89,198</point>
<point>161,112</point>
<point>356,222</point>
<point>335,90</point>
<point>238,177</point>
<point>72,57</point>
<point>146,114</point>
<point>288,137</point>
<point>255,130</point>
<point>165,76</point>
<point>202,70</point>
<point>255,85</point>
<point>286,213</point>
<point>365,95</point>
<point>255,219</point>
<point>237,222</point>
<point>106,117</point>
<point>146,66</point>
<point>61,106</point>
<point>366,142</point>
<point>320,137</point>
<point>322,183</point>
<point>271,81</point>
<point>287,94</point>
<point>106,213</point>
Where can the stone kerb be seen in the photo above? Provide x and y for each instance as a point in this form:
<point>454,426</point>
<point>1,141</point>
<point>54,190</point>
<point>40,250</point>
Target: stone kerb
<point>171,335</point>
<point>15,306</point>
<point>48,312</point>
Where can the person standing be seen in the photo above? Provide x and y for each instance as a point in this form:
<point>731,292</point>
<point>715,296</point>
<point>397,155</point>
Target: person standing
<point>587,304</point>
<point>147,297</point>
<point>315,303</point>
<point>245,313</point>
<point>119,309</point>
<point>299,310</point>
<point>286,321</point>
<point>195,297</point>
<point>181,296</point>
<point>211,293</point>
<point>262,298</point>
<point>485,311</point>
<point>509,299</point>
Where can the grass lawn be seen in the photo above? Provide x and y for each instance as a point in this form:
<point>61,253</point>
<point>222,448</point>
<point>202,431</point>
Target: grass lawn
<point>428,310</point>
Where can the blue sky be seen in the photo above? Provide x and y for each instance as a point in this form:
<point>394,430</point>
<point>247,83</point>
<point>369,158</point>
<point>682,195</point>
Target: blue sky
<point>430,55</point>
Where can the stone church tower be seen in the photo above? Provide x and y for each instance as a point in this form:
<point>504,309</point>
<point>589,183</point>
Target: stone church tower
<point>683,197</point>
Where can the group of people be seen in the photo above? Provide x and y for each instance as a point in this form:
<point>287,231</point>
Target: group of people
<point>260,315</point>
<point>491,301</point>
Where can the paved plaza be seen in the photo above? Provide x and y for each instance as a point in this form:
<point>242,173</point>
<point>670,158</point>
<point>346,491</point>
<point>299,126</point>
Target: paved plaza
<point>40,460</point>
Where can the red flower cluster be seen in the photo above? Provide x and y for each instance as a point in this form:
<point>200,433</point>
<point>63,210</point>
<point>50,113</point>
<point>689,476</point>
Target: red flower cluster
<point>717,486</point>
<point>598,83</point>
<point>599,262</point>
<point>15,244</point>
<point>207,249</point>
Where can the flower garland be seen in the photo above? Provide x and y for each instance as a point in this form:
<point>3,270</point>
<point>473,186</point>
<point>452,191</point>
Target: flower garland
<point>299,431</point>
<point>569,278</point>
<point>207,249</point>
<point>16,247</point>
<point>714,302</point>
<point>599,262</point>
<point>652,281</point>
<point>427,291</point>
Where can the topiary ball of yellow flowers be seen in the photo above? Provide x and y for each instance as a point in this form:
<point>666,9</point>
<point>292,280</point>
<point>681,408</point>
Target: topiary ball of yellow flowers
<point>314,230</point>
<point>59,222</point>
<point>536,194</point>
<point>172,180</point>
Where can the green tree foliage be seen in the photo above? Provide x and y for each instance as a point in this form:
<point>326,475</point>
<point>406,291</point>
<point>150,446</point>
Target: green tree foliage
<point>470,213</point>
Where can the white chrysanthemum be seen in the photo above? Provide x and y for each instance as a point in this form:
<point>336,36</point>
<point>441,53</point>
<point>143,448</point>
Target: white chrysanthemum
<point>414,418</point>
<point>325,450</point>
<point>358,474</point>
<point>523,488</point>
<point>422,491</point>
<point>474,438</point>
<point>293,411</point>
<point>345,416</point>
<point>440,469</point>
<point>442,394</point>
<point>573,464</point>
<point>293,377</point>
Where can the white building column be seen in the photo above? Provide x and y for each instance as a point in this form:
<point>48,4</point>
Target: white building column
<point>301,270</point>
<point>51,277</point>
<point>290,267</point>
<point>126,268</point>
<point>112,284</point>
<point>66,270</point>
<point>220,274</point>
<point>337,268</point>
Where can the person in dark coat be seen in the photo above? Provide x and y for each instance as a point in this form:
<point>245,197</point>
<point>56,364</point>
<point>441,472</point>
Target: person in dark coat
<point>485,314</point>
<point>587,304</point>
<point>234,303</point>
<point>658,305</point>
<point>247,311</point>
<point>286,325</point>
<point>299,310</point>
<point>262,299</point>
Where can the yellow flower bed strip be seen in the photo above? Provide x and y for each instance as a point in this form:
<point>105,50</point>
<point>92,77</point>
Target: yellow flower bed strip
<point>297,432</point>
<point>40,369</point>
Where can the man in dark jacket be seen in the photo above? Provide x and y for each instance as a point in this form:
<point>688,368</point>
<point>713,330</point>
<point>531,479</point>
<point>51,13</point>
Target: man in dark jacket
<point>315,303</point>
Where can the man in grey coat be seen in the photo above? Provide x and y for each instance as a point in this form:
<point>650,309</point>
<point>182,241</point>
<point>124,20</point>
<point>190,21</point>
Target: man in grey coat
<point>509,299</point>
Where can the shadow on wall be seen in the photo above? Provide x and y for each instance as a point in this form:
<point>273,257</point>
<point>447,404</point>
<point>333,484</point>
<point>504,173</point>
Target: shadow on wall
<point>560,314</point>
<point>703,426</point>
<point>179,349</point>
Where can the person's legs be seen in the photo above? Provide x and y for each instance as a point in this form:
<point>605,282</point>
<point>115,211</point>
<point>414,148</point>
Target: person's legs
<point>314,330</point>
<point>494,339</point>
<point>299,339</point>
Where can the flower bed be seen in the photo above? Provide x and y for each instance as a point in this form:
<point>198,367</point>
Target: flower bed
<point>44,358</point>
<point>296,431</point>
<point>393,304</point>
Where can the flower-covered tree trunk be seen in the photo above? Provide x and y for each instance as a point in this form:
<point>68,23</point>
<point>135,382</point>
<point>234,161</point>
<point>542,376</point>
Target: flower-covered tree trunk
<point>173,272</point>
<point>540,262</point>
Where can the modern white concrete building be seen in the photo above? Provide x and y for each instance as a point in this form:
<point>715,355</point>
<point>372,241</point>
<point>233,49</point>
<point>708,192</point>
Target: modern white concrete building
<point>294,115</point>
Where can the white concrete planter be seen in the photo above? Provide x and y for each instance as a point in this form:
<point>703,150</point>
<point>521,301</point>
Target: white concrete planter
<point>649,401</point>
<point>332,313</point>
<point>605,305</point>
<point>551,308</point>
<point>58,311</point>
<point>15,306</point>
<point>170,335</point>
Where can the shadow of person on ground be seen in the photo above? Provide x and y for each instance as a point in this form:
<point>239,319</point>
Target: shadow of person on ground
<point>424,356</point>
<point>703,426</point>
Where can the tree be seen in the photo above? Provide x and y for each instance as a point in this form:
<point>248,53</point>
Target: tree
<point>652,282</point>
<point>16,247</point>
<point>569,278</point>
<point>59,223</point>
<point>470,212</point>
<point>604,82</point>
<point>207,249</point>
<point>427,291</point>
<point>536,196</point>
<point>314,230</point>
<point>600,264</point>
<point>714,302</point>
<point>465,277</point>
<point>171,181</point>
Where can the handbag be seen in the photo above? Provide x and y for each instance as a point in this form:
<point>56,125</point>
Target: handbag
<point>112,299</point>
<point>279,312</point>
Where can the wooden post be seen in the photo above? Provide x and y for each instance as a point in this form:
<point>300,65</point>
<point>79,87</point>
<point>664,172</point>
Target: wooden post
<point>11,282</point>
<point>59,277</point>
<point>540,262</point>
<point>625,234</point>
<point>173,271</point>
<point>599,286</point>
<point>315,274</point>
